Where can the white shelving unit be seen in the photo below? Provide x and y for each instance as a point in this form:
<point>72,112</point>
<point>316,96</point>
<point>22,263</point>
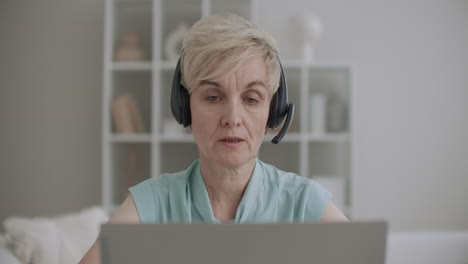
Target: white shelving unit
<point>132,157</point>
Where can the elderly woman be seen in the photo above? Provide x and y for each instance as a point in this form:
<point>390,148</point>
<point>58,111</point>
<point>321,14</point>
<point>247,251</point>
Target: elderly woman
<point>230,72</point>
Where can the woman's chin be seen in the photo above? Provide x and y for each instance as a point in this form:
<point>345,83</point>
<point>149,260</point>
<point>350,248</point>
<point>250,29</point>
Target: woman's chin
<point>233,161</point>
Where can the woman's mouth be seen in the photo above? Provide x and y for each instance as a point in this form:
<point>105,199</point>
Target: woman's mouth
<point>231,141</point>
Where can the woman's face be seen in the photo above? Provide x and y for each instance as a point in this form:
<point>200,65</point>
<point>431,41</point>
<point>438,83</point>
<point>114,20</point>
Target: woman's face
<point>229,116</point>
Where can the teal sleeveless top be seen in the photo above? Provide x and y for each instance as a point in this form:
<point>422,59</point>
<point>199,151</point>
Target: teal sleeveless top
<point>271,196</point>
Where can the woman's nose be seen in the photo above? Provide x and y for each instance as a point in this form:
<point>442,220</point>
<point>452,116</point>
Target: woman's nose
<point>231,115</point>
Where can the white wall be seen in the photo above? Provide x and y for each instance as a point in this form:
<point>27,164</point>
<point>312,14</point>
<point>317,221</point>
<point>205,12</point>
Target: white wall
<point>410,86</point>
<point>410,65</point>
<point>50,106</point>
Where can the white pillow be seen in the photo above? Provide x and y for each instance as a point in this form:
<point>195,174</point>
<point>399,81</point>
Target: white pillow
<point>63,239</point>
<point>6,257</point>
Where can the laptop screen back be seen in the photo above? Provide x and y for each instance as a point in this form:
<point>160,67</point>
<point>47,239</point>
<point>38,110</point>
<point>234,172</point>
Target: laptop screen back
<point>324,243</point>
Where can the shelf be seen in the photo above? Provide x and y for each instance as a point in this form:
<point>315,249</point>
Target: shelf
<point>131,138</point>
<point>161,145</point>
<point>296,137</point>
<point>135,17</point>
<point>177,138</point>
<point>134,2</point>
<point>132,66</point>
<point>329,162</point>
<point>329,137</point>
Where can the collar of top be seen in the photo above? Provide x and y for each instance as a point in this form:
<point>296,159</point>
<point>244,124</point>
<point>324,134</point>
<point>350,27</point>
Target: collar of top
<point>201,200</point>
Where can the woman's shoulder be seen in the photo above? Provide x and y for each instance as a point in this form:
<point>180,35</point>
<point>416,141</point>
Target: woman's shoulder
<point>308,196</point>
<point>153,198</point>
<point>285,179</point>
<point>167,180</point>
<point>289,183</point>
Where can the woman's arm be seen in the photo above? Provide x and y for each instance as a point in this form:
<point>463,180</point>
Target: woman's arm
<point>333,214</point>
<point>125,214</point>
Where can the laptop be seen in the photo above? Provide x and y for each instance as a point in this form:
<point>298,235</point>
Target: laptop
<point>323,243</point>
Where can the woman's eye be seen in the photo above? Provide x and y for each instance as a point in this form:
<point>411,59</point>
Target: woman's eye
<point>252,101</point>
<point>213,98</point>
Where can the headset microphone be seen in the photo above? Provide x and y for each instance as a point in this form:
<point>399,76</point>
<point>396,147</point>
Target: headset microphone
<point>286,125</point>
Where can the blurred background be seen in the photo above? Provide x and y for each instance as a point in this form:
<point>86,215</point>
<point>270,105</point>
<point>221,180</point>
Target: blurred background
<point>408,64</point>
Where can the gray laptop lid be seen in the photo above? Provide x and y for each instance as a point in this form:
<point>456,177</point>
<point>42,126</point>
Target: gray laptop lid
<point>324,243</point>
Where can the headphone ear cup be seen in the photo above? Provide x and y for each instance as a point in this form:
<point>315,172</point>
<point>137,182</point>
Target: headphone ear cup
<point>180,99</point>
<point>186,115</point>
<point>273,114</point>
<point>279,103</point>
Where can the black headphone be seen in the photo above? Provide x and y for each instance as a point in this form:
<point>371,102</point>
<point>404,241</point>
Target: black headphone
<point>279,106</point>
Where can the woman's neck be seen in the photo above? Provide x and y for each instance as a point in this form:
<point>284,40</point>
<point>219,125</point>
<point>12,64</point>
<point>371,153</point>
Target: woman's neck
<point>226,186</point>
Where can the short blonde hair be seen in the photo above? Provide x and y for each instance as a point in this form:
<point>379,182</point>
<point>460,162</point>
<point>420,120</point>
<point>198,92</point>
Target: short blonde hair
<point>223,42</point>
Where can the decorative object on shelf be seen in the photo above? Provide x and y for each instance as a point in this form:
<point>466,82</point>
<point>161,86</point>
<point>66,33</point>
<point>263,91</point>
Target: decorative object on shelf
<point>336,115</point>
<point>317,113</point>
<point>126,116</point>
<point>309,31</point>
<point>130,47</point>
<point>174,42</point>
<point>171,127</point>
